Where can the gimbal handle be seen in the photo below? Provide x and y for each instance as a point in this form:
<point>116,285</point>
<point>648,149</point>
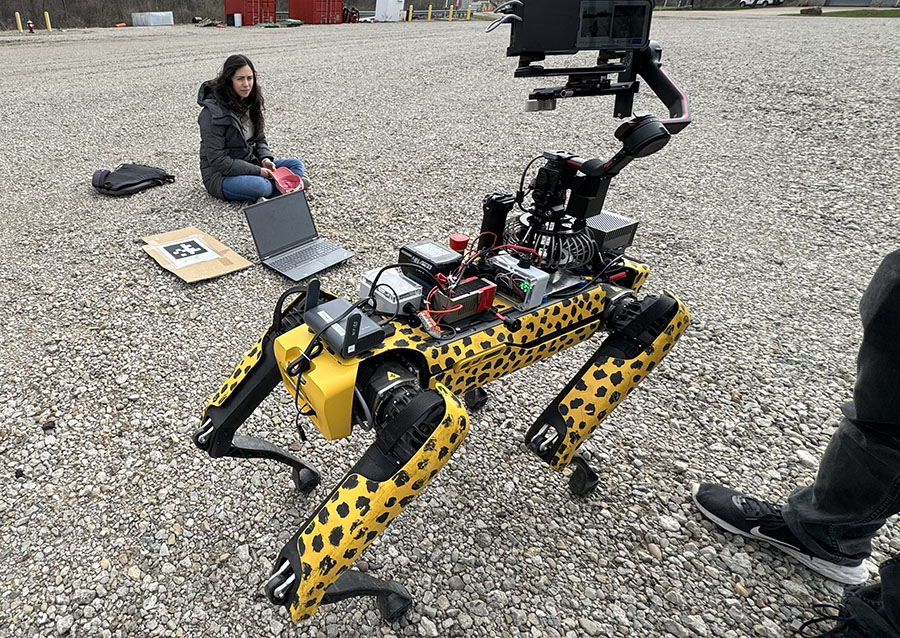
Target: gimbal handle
<point>648,64</point>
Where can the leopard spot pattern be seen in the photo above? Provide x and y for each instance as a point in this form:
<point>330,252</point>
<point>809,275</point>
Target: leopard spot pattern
<point>607,383</point>
<point>355,515</point>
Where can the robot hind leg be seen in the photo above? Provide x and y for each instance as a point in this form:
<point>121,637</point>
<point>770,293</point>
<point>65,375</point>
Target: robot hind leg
<point>644,333</point>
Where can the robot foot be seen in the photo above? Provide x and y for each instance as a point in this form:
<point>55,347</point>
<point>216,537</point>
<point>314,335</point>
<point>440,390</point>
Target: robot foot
<point>583,480</point>
<point>475,399</point>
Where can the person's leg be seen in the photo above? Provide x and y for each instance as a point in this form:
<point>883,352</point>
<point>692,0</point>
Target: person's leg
<point>890,591</point>
<point>856,489</point>
<point>828,526</point>
<point>246,188</point>
<point>292,164</point>
<point>872,611</point>
<point>857,486</point>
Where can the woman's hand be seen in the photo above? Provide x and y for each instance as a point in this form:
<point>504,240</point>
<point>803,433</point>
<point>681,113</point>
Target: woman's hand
<point>265,172</point>
<point>268,164</point>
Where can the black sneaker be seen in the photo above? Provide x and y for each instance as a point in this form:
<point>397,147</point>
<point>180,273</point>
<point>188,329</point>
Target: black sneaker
<point>761,520</point>
<point>860,615</point>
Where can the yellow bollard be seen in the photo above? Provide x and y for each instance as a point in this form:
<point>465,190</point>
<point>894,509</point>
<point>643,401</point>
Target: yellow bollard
<point>19,22</point>
<point>450,19</point>
<point>409,18</point>
<point>47,20</point>
<point>469,13</point>
<point>429,14</point>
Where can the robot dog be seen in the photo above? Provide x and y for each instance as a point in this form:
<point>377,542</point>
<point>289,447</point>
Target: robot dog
<point>547,272</point>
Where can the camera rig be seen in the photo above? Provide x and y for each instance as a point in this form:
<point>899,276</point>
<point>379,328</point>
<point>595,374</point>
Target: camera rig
<point>410,358</point>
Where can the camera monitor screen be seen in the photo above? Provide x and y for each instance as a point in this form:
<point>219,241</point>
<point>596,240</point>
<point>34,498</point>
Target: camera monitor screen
<point>567,26</point>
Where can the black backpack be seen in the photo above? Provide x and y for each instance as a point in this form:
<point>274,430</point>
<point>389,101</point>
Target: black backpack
<point>128,179</point>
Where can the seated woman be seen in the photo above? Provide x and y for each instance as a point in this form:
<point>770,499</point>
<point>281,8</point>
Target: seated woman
<point>235,160</point>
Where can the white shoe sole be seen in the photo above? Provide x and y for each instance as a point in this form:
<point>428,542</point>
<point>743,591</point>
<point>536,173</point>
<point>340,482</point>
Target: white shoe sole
<point>841,573</point>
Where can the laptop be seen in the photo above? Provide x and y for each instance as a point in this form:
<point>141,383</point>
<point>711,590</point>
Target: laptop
<point>286,237</point>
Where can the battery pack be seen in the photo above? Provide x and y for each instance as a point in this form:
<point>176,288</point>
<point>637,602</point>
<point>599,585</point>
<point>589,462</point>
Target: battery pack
<point>526,286</point>
<point>435,258</point>
<point>395,293</point>
<point>469,297</point>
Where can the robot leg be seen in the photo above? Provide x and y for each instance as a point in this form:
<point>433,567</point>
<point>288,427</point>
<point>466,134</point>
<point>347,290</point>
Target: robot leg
<point>642,334</point>
<point>252,380</point>
<point>409,450</point>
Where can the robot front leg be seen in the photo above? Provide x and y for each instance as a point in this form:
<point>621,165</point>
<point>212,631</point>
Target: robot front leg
<point>407,453</point>
<point>252,381</point>
<point>642,333</point>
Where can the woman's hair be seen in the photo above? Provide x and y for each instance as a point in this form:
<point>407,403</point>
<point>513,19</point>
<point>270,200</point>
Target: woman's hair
<point>224,91</point>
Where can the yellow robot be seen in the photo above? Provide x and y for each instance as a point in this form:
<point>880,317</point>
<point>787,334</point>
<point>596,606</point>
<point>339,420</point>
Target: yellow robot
<point>428,332</point>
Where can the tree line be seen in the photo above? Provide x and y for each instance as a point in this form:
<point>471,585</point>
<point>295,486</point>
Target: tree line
<point>71,14</point>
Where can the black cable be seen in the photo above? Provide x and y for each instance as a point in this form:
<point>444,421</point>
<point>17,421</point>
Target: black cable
<point>522,193</point>
<point>365,408</point>
<point>610,263</point>
<point>277,314</point>
<point>315,347</point>
<point>453,328</point>
<point>565,292</point>
<point>396,303</point>
<point>524,173</point>
<point>300,431</point>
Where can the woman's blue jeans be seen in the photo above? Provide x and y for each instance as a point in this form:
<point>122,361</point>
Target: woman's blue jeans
<point>247,188</point>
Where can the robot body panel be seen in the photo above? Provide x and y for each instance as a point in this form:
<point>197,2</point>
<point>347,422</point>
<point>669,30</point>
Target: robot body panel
<point>241,370</point>
<point>327,386</point>
<point>636,274</point>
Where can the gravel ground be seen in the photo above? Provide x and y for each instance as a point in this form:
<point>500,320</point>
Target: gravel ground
<point>767,216</point>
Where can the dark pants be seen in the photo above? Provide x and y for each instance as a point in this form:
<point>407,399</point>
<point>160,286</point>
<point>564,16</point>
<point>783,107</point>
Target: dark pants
<point>858,484</point>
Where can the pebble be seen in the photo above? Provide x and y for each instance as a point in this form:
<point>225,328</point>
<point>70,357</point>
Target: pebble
<point>64,624</point>
<point>674,597</point>
<point>669,524</point>
<point>427,627</point>
<point>676,629</point>
<point>589,626</point>
<point>696,625</point>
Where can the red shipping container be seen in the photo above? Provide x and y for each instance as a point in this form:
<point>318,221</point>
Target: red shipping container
<point>252,11</point>
<point>316,11</point>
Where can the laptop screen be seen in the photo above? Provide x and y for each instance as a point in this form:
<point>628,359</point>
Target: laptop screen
<point>281,223</point>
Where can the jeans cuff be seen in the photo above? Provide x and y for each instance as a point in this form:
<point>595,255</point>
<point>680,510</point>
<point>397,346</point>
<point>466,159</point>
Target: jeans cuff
<point>812,545</point>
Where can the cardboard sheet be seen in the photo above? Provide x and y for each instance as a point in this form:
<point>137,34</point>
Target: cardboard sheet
<point>192,254</point>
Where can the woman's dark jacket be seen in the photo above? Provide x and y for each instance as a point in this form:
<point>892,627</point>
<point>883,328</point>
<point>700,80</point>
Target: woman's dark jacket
<point>223,151</point>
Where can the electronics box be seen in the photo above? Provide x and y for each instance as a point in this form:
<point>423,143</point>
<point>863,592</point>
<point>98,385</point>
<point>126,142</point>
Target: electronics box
<point>350,336</point>
<point>430,255</point>
<point>395,293</point>
<point>473,295</point>
<point>525,286</point>
<point>611,231</point>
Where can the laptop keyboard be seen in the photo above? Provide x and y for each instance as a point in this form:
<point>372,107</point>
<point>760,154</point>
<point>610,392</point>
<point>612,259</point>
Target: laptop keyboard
<point>303,255</point>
